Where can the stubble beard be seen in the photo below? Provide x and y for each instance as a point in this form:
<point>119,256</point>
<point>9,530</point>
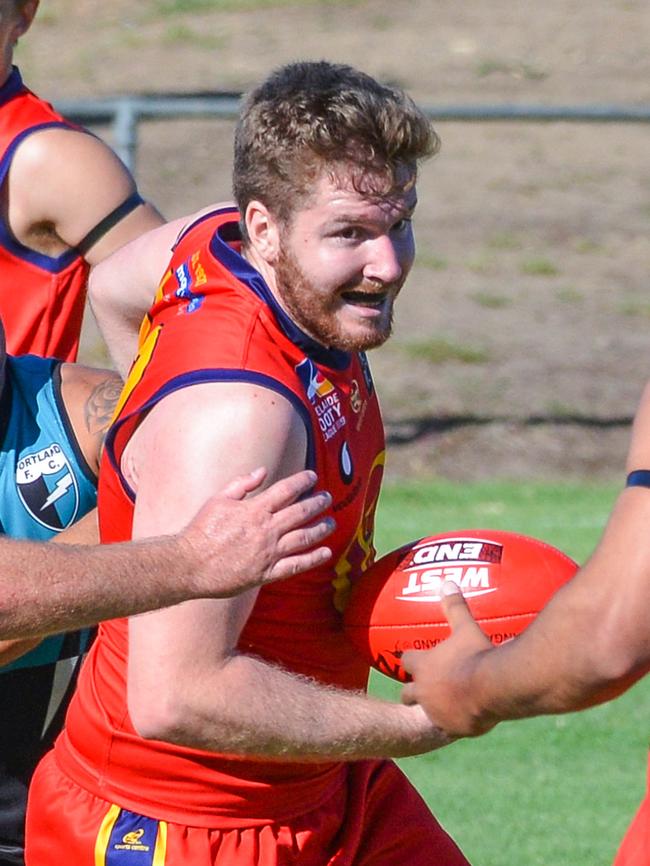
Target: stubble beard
<point>317,318</point>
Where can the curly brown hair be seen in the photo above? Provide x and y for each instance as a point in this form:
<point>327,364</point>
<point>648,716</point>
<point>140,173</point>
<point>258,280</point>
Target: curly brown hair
<point>315,116</point>
<point>12,5</point>
<point>11,8</point>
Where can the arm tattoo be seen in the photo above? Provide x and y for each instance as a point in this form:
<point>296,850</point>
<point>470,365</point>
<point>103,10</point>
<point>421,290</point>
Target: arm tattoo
<point>100,406</point>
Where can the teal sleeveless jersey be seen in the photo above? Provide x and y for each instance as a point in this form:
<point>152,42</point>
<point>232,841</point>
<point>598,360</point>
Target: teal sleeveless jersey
<point>45,483</point>
<point>45,486</point>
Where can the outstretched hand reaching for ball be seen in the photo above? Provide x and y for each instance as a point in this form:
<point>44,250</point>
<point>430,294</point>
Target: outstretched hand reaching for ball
<point>445,679</point>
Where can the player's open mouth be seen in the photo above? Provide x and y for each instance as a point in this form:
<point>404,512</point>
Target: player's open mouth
<point>365,299</point>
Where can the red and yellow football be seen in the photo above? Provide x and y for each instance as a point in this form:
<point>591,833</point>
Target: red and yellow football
<point>506,578</point>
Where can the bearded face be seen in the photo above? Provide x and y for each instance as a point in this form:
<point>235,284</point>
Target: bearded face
<point>352,317</point>
<point>342,261</point>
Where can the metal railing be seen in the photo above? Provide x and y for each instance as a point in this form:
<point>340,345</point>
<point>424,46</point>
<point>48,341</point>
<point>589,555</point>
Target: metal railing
<point>124,113</point>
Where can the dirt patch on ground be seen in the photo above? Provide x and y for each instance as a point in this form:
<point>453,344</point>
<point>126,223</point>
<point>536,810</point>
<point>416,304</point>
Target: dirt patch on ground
<point>520,345</point>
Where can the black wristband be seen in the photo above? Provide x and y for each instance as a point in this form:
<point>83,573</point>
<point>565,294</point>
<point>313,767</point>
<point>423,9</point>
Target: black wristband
<point>638,478</point>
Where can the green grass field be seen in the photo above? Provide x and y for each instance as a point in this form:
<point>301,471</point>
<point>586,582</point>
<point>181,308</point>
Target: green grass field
<point>541,792</point>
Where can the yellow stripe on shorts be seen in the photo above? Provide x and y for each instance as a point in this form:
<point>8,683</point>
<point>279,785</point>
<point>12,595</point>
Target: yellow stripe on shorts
<point>101,843</point>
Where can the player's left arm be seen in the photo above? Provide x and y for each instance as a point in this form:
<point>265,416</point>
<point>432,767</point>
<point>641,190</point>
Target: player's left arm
<point>122,286</point>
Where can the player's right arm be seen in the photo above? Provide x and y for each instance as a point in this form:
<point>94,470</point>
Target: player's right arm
<point>590,642</point>
<point>47,588</point>
<point>187,682</point>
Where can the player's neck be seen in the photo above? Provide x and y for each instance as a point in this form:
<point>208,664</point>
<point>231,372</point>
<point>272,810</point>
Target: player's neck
<point>8,41</point>
<point>264,269</point>
<point>6,68</point>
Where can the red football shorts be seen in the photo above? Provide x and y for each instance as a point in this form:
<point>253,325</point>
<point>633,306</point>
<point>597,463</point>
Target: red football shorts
<point>635,847</point>
<point>379,819</point>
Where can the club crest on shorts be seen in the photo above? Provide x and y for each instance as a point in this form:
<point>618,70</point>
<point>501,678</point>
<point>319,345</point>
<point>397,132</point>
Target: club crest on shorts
<point>47,487</point>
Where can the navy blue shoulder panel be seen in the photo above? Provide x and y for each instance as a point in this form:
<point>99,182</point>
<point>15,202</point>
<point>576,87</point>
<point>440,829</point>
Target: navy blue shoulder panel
<point>199,377</point>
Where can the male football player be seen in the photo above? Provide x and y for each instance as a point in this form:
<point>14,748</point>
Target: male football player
<point>239,732</point>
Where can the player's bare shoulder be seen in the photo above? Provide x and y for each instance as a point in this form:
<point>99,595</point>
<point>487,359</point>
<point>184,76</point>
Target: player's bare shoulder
<point>240,425</point>
<point>63,181</point>
<point>68,149</point>
<point>90,396</point>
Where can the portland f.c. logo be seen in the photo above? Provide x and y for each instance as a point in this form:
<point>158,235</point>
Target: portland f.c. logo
<point>47,487</point>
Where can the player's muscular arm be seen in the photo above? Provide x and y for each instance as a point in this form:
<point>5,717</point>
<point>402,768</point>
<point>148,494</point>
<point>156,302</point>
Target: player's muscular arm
<point>594,634</point>
<point>62,184</point>
<point>187,684</point>
<point>65,589</point>
<point>61,591</point>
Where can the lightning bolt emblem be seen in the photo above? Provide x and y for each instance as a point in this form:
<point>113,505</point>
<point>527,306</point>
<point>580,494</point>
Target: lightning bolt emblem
<point>62,487</point>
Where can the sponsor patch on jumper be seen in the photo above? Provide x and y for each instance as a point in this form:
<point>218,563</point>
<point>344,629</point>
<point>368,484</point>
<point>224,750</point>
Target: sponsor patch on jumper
<point>189,276</point>
<point>324,397</point>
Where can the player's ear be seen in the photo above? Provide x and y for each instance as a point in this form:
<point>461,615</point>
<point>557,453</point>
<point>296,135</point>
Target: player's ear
<point>26,12</point>
<point>263,231</point>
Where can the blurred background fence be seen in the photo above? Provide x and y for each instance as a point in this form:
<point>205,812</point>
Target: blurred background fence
<point>125,113</point>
